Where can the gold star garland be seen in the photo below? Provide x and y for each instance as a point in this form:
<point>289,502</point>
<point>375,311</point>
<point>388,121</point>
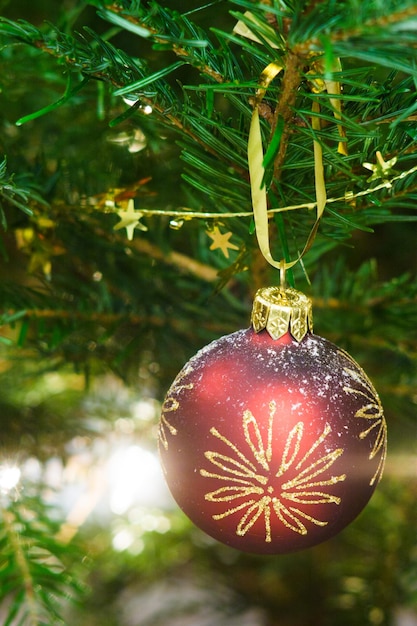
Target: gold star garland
<point>130,219</point>
<point>381,169</point>
<point>188,214</point>
<point>221,241</point>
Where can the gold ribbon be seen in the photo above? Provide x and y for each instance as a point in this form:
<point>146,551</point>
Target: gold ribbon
<point>333,88</point>
<point>257,173</point>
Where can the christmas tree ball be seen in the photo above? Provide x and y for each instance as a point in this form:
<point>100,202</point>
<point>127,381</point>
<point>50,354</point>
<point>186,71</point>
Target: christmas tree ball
<point>272,439</point>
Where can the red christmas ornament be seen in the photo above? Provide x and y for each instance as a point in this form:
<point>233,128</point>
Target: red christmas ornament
<point>272,439</point>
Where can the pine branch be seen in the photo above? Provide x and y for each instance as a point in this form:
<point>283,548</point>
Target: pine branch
<point>159,25</point>
<point>31,614</point>
<point>16,194</point>
<point>100,60</point>
<point>109,319</point>
<point>33,580</point>
<point>284,111</point>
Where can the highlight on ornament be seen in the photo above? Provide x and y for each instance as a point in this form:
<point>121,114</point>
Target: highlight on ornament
<point>272,439</point>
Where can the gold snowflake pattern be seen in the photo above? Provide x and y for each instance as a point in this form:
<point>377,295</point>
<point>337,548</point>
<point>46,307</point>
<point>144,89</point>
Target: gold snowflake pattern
<point>260,491</point>
<point>172,404</point>
<point>373,412</point>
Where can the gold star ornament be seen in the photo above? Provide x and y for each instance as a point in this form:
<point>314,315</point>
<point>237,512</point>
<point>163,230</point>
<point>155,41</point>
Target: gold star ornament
<point>130,219</point>
<point>221,241</point>
<point>381,169</point>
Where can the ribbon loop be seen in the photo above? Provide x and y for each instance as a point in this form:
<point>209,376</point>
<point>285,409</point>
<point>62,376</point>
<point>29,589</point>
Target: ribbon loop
<point>257,174</point>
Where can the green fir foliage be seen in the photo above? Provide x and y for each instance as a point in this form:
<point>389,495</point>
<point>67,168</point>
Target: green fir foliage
<point>35,583</point>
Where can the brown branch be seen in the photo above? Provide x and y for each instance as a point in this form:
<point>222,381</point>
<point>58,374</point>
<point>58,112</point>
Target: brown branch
<point>106,319</point>
<point>382,21</point>
<point>177,259</point>
<point>183,262</point>
<point>176,48</point>
<point>284,109</point>
<point>297,58</point>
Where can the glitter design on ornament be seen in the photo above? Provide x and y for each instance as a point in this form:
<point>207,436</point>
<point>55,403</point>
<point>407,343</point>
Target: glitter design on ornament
<point>171,404</point>
<point>257,484</point>
<point>372,411</point>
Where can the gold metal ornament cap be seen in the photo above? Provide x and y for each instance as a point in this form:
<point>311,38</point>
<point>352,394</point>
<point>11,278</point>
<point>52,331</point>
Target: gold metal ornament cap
<point>280,310</point>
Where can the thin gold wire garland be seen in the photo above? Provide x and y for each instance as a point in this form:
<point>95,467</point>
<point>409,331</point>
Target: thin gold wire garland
<point>348,197</point>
